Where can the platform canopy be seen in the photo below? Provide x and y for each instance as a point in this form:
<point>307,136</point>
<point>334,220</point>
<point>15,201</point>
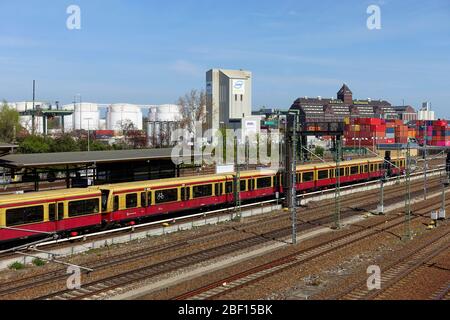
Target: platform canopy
<point>83,158</point>
<point>6,148</point>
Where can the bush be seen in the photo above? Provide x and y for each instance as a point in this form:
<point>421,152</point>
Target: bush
<point>38,262</point>
<point>16,266</point>
<point>319,151</point>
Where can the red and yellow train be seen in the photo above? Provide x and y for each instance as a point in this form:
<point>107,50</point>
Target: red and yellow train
<point>74,211</point>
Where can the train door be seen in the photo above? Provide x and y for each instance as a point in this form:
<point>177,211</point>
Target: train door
<point>52,217</point>
<point>56,215</point>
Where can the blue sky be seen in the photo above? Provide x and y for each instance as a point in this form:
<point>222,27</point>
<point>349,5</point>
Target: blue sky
<point>151,52</point>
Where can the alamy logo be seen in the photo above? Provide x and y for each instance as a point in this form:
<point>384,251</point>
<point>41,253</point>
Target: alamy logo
<point>374,280</point>
<point>74,280</point>
<point>374,20</point>
<point>73,21</point>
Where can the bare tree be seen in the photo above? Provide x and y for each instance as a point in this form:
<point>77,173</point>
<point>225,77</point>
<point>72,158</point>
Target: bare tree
<point>193,109</point>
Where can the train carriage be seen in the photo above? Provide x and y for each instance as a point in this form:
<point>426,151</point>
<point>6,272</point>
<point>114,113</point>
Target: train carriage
<point>48,212</point>
<point>72,210</point>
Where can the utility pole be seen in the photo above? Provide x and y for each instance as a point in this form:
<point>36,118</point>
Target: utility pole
<point>408,235</point>
<point>33,120</point>
<point>425,164</point>
<point>294,181</point>
<point>237,184</point>
<point>337,193</point>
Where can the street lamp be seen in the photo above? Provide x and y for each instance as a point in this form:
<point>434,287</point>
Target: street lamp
<point>88,137</point>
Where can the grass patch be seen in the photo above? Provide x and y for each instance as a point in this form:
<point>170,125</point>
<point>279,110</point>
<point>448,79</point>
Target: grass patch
<point>38,262</point>
<point>16,266</point>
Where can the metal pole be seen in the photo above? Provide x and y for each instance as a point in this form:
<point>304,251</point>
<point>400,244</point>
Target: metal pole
<point>237,182</point>
<point>88,137</point>
<point>407,235</point>
<point>294,182</point>
<point>425,163</point>
<point>33,117</point>
<point>337,194</point>
<point>381,207</point>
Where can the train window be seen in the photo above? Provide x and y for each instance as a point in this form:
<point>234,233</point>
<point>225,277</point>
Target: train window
<point>366,168</point>
<point>229,187</point>
<point>275,181</point>
<point>308,176</point>
<point>131,200</point>
<point>251,184</point>
<point>341,172</point>
<point>116,203</point>
<point>185,193</point>
<point>354,170</point>
<point>60,211</point>
<point>264,183</point>
<point>216,190</point>
<point>168,195</point>
<point>298,178</point>
<point>323,174</point>
<point>243,185</point>
<point>347,171</point>
<point>83,207</point>
<point>143,200</point>
<point>52,212</point>
<point>105,196</point>
<point>25,215</point>
<point>203,191</point>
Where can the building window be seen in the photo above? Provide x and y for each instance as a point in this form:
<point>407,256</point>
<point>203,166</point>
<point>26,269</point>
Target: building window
<point>242,97</point>
<point>235,97</point>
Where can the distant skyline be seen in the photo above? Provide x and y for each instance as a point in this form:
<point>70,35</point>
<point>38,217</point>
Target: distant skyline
<point>152,52</point>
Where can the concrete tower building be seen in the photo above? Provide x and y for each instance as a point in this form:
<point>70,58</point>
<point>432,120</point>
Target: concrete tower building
<point>228,98</point>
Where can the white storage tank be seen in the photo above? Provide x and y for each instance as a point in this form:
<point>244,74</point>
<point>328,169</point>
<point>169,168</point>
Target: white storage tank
<point>164,113</point>
<point>27,121</point>
<point>120,113</point>
<point>68,120</point>
<point>86,116</point>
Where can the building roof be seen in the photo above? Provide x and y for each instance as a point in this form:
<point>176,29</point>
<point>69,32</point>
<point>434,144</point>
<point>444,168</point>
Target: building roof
<point>345,90</point>
<point>6,147</point>
<point>80,158</point>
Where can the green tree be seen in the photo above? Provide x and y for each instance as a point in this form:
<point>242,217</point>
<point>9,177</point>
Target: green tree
<point>9,123</point>
<point>35,144</point>
<point>64,143</point>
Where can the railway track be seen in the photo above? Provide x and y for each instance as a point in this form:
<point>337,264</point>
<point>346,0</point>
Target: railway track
<point>112,285</point>
<point>249,277</point>
<point>257,239</point>
<point>397,271</point>
<point>443,293</point>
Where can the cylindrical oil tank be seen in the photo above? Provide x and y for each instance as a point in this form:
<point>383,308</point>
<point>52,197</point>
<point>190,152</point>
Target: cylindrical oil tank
<point>86,116</point>
<point>27,121</point>
<point>118,114</point>
<point>68,120</point>
<point>164,113</point>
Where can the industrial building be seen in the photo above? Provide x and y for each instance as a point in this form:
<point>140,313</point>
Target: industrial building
<point>330,109</point>
<point>425,112</point>
<point>229,100</point>
<point>406,113</point>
